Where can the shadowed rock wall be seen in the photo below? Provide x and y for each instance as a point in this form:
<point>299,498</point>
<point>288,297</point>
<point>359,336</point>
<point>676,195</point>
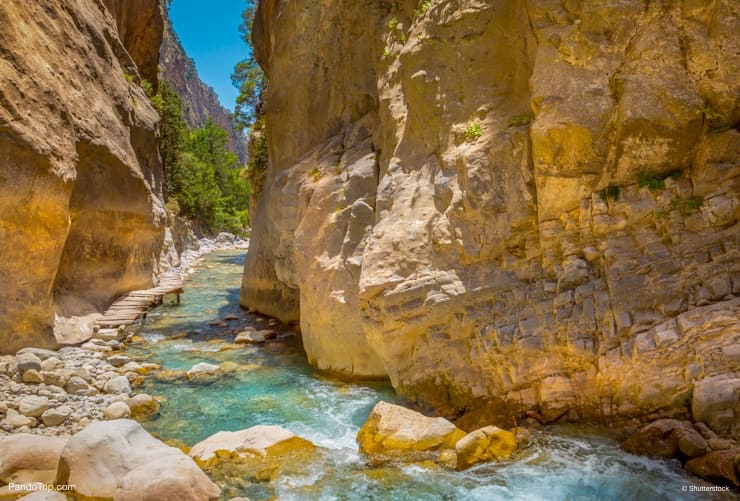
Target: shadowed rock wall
<point>81,217</point>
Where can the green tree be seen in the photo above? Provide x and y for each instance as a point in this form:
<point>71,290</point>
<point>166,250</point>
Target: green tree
<point>172,133</point>
<point>248,77</point>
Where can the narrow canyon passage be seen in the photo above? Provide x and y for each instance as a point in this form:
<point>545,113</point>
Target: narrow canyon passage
<point>271,384</point>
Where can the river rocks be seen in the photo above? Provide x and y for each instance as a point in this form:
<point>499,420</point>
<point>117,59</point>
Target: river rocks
<point>254,337</point>
<point>260,452</point>
<point>56,416</point>
<point>16,420</point>
<point>33,406</point>
<point>667,438</point>
<point>143,405</point>
<point>29,458</point>
<point>70,407</point>
<point>392,429</point>
<point>118,385</point>
<point>118,360</point>
<point>117,410</point>
<point>484,444</point>
<point>262,440</point>
<point>40,353</point>
<point>44,496</point>
<point>202,368</point>
<point>32,376</point>
<point>54,378</point>
<point>27,361</point>
<point>78,386</point>
<point>120,459</point>
<point>721,467</point>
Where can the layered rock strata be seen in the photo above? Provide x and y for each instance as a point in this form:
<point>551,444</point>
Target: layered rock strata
<point>80,177</point>
<point>507,206</point>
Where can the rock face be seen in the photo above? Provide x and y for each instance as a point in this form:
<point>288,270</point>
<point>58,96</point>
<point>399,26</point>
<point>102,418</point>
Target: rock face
<point>199,100</point>
<point>119,459</point>
<point>474,198</point>
<point>80,210</point>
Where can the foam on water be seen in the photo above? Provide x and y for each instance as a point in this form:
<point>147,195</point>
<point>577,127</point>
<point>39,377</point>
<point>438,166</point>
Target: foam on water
<point>278,387</point>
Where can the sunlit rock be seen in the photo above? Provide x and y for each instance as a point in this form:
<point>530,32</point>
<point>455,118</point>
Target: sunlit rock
<point>484,444</point>
<point>392,429</point>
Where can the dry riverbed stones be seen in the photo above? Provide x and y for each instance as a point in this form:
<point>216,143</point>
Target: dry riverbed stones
<point>59,392</point>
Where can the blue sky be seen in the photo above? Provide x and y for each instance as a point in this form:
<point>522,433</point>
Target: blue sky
<point>209,31</point>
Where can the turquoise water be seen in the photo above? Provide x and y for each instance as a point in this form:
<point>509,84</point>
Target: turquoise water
<point>274,385</point>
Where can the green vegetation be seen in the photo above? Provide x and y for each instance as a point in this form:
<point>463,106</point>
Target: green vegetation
<point>616,85</point>
<point>203,181</point>
<point>248,77</point>
<point>473,131</point>
<point>523,119</point>
<point>610,192</point>
<point>147,86</point>
<point>393,23</point>
<point>716,121</point>
<point>315,173</point>
<point>655,181</point>
<point>687,206</point>
<point>423,7</point>
<point>129,77</point>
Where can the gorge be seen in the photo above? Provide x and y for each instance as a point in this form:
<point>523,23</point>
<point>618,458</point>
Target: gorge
<point>516,217</point>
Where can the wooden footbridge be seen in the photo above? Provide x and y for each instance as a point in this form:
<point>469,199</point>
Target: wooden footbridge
<point>128,309</point>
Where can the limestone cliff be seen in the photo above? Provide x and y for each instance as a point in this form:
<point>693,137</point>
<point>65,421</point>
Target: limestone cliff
<point>507,206</point>
<point>81,217</point>
<point>200,101</point>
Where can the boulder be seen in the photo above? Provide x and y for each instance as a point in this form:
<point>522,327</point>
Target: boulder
<point>51,363</point>
<point>392,428</point>
<point>16,420</point>
<point>202,368</point>
<point>44,496</point>
<point>27,361</point>
<point>720,467</point>
<point>33,406</point>
<point>117,385</point>
<point>142,405</point>
<point>485,444</point>
<point>262,452</point>
<point>261,440</point>
<point>40,353</point>
<point>117,410</point>
<point>250,337</point>
<point>54,378</point>
<point>118,360</point>
<point>56,416</point>
<point>667,438</point>
<point>78,386</point>
<point>28,458</point>
<point>119,459</point>
<point>32,376</point>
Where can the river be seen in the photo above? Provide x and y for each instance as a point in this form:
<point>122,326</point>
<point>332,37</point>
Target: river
<point>273,384</point>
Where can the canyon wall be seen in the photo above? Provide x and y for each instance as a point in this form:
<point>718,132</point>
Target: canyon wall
<point>81,215</point>
<point>199,101</point>
<point>507,206</point>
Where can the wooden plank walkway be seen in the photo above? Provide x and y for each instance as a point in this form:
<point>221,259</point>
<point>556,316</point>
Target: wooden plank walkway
<point>129,308</point>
